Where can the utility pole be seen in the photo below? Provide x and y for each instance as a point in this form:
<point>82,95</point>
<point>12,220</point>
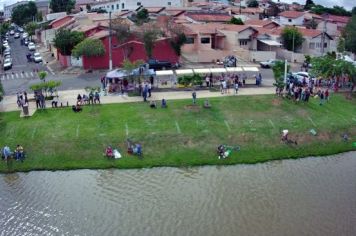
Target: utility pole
<point>240,8</point>
<point>292,61</point>
<point>110,47</point>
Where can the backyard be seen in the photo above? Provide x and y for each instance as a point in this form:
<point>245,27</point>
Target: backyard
<point>181,135</point>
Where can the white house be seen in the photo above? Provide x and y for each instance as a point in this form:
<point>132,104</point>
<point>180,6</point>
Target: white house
<point>119,5</point>
<point>291,18</point>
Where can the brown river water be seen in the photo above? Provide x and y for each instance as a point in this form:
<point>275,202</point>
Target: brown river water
<point>310,196</point>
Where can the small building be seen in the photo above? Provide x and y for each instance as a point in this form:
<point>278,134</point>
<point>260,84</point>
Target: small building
<point>291,18</point>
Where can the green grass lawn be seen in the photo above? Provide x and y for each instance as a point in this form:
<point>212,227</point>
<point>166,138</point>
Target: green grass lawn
<point>182,135</point>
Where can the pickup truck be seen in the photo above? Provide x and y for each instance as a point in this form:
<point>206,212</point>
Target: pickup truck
<point>159,65</point>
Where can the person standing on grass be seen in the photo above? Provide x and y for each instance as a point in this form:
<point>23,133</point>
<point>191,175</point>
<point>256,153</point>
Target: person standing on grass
<point>91,98</point>
<point>97,97</point>
<point>321,95</point>
<point>236,87</point>
<point>144,92</point>
<point>194,95</point>
<point>327,95</point>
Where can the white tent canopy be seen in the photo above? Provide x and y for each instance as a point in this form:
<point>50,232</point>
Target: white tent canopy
<point>218,70</point>
<point>250,68</point>
<point>164,72</point>
<point>184,72</point>
<point>270,42</point>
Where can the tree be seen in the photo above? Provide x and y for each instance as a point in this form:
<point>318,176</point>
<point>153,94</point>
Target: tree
<point>62,5</point>
<point>308,4</point>
<point>353,11</point>
<point>46,86</point>
<point>292,39</point>
<point>129,66</point>
<point>236,21</point>
<point>123,33</point>
<point>177,37</point>
<point>142,16</point>
<point>349,35</point>
<point>312,24</point>
<point>89,48</point>
<point>65,40</point>
<point>149,37</point>
<point>30,28</point>
<point>278,73</point>
<point>4,27</point>
<point>252,3</point>
<point>328,67</point>
<point>341,45</point>
<point>42,75</point>
<point>24,13</point>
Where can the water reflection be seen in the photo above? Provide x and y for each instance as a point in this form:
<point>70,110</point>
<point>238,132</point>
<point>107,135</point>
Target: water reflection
<point>313,196</point>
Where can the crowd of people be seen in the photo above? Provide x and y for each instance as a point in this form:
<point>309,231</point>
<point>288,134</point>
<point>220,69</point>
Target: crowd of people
<point>230,81</point>
<point>18,154</point>
<point>301,92</point>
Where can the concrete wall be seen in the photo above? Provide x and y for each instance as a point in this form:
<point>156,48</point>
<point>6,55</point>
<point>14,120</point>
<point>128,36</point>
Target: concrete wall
<point>262,55</point>
<point>296,21</point>
<point>285,54</point>
<point>76,62</point>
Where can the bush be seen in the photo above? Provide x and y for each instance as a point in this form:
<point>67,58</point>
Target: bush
<point>188,80</point>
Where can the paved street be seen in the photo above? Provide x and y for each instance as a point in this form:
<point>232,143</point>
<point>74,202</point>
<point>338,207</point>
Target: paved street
<point>23,73</point>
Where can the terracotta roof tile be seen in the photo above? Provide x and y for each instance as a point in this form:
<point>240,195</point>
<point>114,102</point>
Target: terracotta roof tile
<point>209,17</point>
<point>291,14</point>
<point>258,23</point>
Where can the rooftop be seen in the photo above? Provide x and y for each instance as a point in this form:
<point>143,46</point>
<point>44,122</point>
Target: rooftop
<point>291,14</point>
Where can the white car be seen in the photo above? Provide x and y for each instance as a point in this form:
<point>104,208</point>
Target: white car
<point>24,35</point>
<point>12,32</point>
<point>303,75</point>
<point>269,63</point>
<point>17,35</point>
<point>7,63</point>
<point>31,46</point>
<point>37,57</point>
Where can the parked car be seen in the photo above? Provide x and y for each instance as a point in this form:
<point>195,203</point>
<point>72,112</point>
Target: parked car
<point>24,35</point>
<point>7,52</point>
<point>17,35</point>
<point>26,42</point>
<point>159,65</point>
<point>269,63</point>
<point>20,30</point>
<point>7,63</point>
<point>303,75</point>
<point>12,32</point>
<point>37,57</point>
<point>31,46</point>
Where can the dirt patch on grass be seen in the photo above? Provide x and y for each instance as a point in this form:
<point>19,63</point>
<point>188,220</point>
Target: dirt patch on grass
<point>276,102</point>
<point>195,108</point>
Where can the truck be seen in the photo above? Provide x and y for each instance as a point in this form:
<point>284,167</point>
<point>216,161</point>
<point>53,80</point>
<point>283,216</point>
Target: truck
<point>159,65</point>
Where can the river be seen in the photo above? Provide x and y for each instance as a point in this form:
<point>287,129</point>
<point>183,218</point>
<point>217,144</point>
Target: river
<point>310,196</point>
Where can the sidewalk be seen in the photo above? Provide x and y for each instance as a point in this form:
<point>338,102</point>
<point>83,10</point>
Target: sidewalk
<point>70,96</point>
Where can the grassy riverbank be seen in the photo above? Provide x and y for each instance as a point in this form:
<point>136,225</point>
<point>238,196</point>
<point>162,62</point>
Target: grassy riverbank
<point>181,135</point>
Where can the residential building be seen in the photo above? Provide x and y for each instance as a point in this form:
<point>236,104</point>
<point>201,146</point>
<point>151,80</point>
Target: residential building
<point>8,8</point>
<point>119,5</point>
<point>268,24</point>
<point>43,7</point>
<point>207,17</point>
<point>291,18</point>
